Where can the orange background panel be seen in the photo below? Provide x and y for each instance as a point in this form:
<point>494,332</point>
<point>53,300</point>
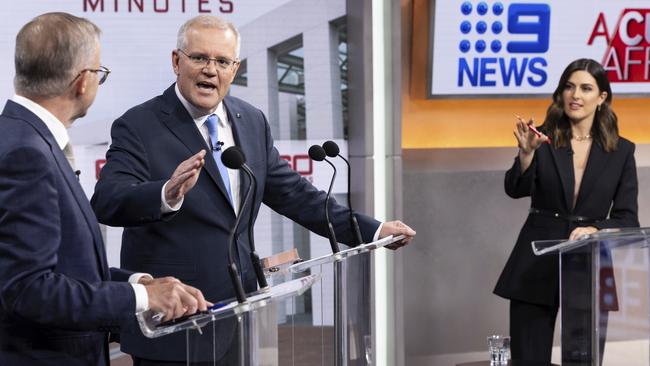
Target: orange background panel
<point>467,122</point>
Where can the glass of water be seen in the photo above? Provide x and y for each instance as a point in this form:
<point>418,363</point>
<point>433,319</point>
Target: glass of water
<point>499,347</point>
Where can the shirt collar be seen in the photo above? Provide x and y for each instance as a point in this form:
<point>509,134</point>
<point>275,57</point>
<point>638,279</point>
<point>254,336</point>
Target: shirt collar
<point>198,117</point>
<point>56,127</point>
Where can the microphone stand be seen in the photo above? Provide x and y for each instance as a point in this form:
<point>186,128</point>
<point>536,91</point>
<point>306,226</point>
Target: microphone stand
<point>353,219</point>
<point>332,150</point>
<point>317,153</point>
<point>255,258</point>
<point>232,267</point>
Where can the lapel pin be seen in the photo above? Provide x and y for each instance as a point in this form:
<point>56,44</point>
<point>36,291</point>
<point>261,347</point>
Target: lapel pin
<point>238,115</point>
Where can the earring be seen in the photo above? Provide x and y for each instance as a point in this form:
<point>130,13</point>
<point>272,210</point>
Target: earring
<point>598,108</point>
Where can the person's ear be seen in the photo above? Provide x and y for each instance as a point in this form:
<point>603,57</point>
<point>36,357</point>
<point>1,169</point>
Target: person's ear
<point>80,85</point>
<point>175,61</point>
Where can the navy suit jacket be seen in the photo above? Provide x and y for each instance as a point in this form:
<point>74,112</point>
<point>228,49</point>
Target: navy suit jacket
<point>608,192</point>
<point>148,143</point>
<point>57,300</point>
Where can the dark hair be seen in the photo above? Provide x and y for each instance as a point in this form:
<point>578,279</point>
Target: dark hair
<point>605,127</point>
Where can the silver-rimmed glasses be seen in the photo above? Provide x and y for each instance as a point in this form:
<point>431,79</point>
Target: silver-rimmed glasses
<point>102,72</point>
<point>199,60</point>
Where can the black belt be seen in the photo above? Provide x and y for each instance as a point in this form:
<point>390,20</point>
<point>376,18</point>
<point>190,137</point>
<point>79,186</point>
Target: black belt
<point>561,216</point>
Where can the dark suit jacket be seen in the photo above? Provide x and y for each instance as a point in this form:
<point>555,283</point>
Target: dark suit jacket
<point>57,302</point>
<point>148,143</point>
<point>609,180</point>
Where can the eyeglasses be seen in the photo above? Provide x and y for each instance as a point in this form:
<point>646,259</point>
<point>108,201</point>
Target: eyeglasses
<point>222,63</point>
<point>102,72</point>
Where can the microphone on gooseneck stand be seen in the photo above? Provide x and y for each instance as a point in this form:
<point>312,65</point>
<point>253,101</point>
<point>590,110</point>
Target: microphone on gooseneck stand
<point>318,154</point>
<point>232,238</point>
<point>332,150</point>
<point>234,158</point>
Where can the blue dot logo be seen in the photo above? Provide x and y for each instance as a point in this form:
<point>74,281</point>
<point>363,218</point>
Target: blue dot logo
<point>464,46</point>
<point>495,46</point>
<point>481,27</point>
<point>466,8</point>
<point>465,27</point>
<point>482,8</point>
<point>497,8</point>
<point>480,46</point>
<point>497,27</point>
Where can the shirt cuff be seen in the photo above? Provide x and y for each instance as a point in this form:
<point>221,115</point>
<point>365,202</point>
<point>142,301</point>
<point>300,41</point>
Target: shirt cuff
<point>376,236</point>
<point>141,296</point>
<point>166,208</point>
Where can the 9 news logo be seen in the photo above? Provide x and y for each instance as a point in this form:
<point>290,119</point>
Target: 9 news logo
<point>503,46</point>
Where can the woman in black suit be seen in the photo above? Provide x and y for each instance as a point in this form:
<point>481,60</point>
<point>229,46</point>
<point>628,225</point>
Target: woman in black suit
<point>581,177</point>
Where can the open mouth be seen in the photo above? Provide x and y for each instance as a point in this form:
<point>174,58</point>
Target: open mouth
<point>207,86</point>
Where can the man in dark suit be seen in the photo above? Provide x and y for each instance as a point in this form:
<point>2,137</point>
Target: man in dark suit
<point>58,299</point>
<point>178,226</point>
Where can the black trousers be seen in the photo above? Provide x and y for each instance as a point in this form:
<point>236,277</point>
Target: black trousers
<point>531,332</point>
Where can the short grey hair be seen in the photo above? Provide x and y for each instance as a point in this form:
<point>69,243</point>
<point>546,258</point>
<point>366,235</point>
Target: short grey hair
<point>206,21</point>
<point>50,51</point>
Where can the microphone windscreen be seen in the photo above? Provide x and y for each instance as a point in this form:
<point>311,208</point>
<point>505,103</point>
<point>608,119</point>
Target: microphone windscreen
<point>233,158</point>
<point>316,153</point>
<point>331,148</point>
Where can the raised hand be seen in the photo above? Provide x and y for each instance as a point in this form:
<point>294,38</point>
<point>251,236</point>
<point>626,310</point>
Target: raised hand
<point>528,138</point>
<point>184,178</point>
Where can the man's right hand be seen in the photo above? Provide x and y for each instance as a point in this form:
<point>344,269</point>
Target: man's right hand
<point>173,298</point>
<point>184,178</point>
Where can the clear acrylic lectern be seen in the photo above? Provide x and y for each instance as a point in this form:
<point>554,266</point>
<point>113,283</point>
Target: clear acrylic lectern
<point>253,323</point>
<point>604,297</point>
<point>341,320</point>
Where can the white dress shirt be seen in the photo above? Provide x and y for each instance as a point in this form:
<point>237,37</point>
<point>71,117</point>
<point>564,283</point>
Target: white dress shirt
<point>224,130</point>
<point>57,128</point>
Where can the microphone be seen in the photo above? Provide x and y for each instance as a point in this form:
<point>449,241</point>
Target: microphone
<point>77,173</point>
<point>234,158</point>
<point>217,146</point>
<point>317,153</point>
<point>332,150</point>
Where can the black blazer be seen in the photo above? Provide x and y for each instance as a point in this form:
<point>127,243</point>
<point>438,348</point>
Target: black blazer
<point>57,298</point>
<point>609,181</point>
<point>148,143</point>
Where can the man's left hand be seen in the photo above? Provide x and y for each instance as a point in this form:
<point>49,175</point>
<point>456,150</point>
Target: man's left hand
<point>397,228</point>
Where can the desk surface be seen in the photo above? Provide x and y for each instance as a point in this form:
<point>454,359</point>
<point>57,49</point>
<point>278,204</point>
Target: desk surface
<point>511,363</point>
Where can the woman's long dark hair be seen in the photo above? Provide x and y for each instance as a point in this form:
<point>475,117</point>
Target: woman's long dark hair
<point>605,127</point>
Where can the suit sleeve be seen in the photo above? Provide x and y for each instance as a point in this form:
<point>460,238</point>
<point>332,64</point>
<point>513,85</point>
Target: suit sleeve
<point>518,184</point>
<point>293,196</point>
<point>30,238</point>
<point>624,211</point>
<point>124,195</point>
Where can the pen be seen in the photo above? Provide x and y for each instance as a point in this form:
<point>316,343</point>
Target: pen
<point>535,131</point>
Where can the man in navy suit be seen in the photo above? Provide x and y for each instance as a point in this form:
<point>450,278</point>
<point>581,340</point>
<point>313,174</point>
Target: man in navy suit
<point>59,301</point>
<point>179,226</point>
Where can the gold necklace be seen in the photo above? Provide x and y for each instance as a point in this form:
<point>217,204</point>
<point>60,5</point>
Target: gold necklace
<point>582,138</point>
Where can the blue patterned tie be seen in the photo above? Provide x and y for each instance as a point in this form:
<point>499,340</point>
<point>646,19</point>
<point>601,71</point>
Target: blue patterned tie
<point>212,122</point>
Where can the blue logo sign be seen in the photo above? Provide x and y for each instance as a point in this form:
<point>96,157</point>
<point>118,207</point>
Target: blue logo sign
<point>503,46</point>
